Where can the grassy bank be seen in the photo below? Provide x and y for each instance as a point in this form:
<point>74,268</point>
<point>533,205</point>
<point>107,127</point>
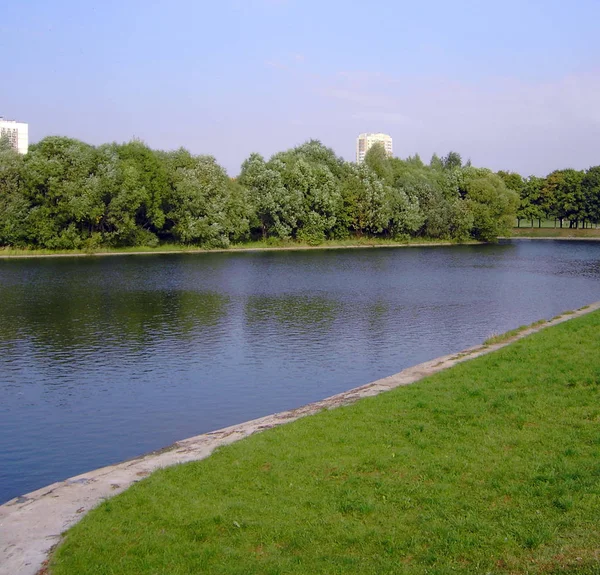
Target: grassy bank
<point>271,244</point>
<point>555,233</point>
<point>490,467</point>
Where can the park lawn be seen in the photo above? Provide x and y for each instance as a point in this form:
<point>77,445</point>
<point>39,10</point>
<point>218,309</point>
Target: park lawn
<point>492,466</point>
<point>555,233</point>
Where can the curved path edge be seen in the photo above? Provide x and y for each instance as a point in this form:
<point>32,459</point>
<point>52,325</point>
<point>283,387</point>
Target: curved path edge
<point>31,525</point>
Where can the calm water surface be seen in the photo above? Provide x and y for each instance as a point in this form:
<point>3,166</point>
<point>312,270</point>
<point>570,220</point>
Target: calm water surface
<point>102,359</point>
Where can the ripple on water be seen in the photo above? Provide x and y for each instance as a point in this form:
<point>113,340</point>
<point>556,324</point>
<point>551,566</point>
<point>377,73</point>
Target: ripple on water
<point>102,359</point>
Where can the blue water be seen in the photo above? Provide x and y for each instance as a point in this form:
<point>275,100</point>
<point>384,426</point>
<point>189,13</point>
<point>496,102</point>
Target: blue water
<point>102,359</point>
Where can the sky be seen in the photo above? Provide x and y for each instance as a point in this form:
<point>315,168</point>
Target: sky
<point>511,85</point>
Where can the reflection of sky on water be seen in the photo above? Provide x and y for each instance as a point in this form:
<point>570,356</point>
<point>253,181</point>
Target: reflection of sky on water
<point>106,358</point>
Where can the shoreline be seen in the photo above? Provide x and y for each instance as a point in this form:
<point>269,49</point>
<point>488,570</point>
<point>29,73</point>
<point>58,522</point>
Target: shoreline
<point>286,248</point>
<point>237,250</point>
<point>31,525</point>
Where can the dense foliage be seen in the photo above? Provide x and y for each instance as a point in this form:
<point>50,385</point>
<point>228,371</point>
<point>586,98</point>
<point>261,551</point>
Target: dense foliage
<point>564,195</point>
<point>65,194</point>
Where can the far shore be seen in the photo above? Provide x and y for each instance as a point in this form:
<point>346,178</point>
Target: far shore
<point>174,249</point>
<point>365,243</point>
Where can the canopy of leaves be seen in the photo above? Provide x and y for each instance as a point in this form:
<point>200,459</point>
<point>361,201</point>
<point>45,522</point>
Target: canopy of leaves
<point>66,194</point>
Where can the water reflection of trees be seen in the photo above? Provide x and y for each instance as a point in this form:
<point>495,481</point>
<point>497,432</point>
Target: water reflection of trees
<point>58,320</point>
<point>291,315</point>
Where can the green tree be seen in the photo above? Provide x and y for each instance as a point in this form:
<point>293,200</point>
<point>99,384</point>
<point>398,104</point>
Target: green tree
<point>533,202</point>
<point>436,162</point>
<point>512,180</point>
<point>443,213</point>
<point>322,199</point>
<point>406,216</point>
<point>152,181</point>
<point>198,204</point>
<point>492,204</point>
<point>123,196</point>
<point>310,174</point>
<point>366,201</point>
<point>568,200</point>
<point>56,173</point>
<point>5,145</point>
<point>14,206</point>
<point>452,161</point>
<point>378,160</point>
<point>315,153</point>
<point>276,207</point>
<point>590,185</point>
<point>239,211</point>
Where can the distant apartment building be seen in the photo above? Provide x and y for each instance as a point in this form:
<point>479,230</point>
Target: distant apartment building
<point>17,133</point>
<point>365,141</point>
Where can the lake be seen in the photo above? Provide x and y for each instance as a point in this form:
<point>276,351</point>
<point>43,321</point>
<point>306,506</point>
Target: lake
<point>106,358</point>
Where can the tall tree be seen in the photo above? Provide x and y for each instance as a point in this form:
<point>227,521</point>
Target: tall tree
<point>367,201</point>
<point>153,182</point>
<point>57,172</point>
<point>590,185</point>
<point>565,188</point>
<point>492,204</point>
<point>436,162</point>
<point>379,162</point>
<point>5,144</point>
<point>197,205</point>
<point>14,205</point>
<point>452,161</point>
<point>277,208</point>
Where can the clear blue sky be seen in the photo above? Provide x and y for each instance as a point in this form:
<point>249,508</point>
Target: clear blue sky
<point>512,85</point>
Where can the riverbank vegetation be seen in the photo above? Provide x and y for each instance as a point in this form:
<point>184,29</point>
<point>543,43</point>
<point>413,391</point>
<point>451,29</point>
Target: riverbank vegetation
<point>489,467</point>
<point>275,244</point>
<point>565,198</point>
<point>68,195</point>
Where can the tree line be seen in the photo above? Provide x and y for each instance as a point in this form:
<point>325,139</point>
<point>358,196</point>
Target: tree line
<point>66,194</point>
<point>571,196</point>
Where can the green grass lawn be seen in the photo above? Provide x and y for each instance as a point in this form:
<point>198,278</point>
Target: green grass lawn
<point>555,233</point>
<point>490,467</point>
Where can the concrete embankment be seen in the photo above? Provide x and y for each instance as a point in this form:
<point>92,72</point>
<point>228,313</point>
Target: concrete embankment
<point>31,525</point>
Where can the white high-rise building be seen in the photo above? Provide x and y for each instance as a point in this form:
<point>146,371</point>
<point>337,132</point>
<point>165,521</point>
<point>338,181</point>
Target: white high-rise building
<point>365,141</point>
<point>18,134</point>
